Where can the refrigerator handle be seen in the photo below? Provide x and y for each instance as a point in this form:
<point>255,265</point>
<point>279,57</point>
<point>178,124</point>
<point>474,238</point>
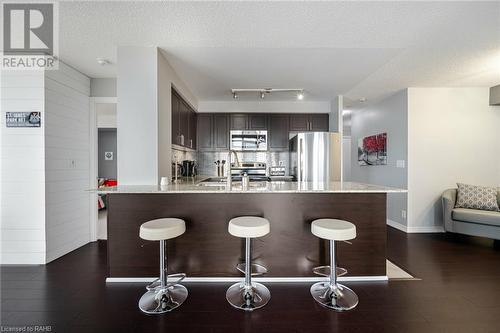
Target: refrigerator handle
<point>300,154</point>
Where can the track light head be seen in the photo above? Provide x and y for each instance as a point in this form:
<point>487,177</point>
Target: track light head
<point>235,95</point>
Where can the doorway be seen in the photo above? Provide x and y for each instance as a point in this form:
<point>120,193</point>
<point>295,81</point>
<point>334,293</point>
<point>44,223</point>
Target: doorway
<point>103,160</point>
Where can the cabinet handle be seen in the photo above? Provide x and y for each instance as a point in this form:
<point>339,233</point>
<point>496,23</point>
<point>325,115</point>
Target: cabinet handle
<point>182,139</point>
<point>191,143</point>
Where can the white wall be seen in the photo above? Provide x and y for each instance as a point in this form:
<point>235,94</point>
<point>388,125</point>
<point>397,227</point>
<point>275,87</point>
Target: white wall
<point>22,165</point>
<point>106,115</point>
<point>66,161</point>
<point>453,136</point>
<point>103,87</point>
<point>336,111</point>
<point>137,116</point>
<point>264,106</point>
<point>44,171</point>
<point>390,116</point>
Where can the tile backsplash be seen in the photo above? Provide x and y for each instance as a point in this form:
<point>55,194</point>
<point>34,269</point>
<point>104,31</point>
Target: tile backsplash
<point>181,155</point>
<point>206,165</point>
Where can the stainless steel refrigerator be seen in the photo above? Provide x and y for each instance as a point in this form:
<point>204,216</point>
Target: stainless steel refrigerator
<point>316,156</point>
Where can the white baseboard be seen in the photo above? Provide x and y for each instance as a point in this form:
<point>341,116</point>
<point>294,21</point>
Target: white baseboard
<point>397,225</point>
<point>256,279</point>
<point>415,230</point>
<point>425,229</point>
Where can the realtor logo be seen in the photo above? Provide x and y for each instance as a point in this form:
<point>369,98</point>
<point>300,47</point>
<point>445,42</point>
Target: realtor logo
<point>29,35</point>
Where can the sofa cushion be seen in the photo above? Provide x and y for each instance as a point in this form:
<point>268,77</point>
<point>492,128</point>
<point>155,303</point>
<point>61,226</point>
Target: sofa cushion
<point>476,216</point>
<point>476,197</point>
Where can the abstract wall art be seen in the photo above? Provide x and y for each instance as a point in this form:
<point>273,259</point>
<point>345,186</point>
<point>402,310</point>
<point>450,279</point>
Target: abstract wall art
<point>372,150</point>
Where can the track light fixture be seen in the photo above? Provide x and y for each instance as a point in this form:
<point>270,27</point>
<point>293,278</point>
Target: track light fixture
<point>263,91</point>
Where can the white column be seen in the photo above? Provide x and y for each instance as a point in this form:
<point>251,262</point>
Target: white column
<point>137,115</point>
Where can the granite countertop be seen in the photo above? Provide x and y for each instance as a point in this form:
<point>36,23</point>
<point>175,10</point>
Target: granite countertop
<point>194,185</point>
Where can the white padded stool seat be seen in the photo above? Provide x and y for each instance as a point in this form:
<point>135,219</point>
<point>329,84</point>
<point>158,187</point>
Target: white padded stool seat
<point>248,226</point>
<point>162,229</point>
<point>332,229</point>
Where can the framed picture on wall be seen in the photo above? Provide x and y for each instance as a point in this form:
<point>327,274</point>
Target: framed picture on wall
<point>372,150</point>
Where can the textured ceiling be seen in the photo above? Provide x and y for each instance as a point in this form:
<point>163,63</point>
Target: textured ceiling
<point>358,49</point>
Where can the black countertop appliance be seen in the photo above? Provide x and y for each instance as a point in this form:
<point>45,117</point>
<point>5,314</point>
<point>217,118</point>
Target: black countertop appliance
<point>188,168</point>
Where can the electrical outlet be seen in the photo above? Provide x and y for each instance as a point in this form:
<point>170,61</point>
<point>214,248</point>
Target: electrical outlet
<point>400,163</point>
<point>403,214</point>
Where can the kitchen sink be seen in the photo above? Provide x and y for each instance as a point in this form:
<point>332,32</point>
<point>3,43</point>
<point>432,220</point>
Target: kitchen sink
<point>213,181</point>
<point>221,181</point>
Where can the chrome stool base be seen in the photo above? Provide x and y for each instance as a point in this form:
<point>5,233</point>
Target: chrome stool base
<point>248,299</point>
<point>161,300</point>
<point>340,298</point>
<point>325,271</point>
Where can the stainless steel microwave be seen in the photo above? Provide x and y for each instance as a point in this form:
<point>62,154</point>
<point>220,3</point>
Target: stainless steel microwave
<point>248,140</point>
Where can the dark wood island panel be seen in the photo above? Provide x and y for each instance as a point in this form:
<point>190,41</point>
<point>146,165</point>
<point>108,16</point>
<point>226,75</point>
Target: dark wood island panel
<point>207,249</point>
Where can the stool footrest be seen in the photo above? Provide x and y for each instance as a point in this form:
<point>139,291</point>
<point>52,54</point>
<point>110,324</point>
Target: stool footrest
<point>178,277</point>
<point>256,269</point>
<point>325,271</point>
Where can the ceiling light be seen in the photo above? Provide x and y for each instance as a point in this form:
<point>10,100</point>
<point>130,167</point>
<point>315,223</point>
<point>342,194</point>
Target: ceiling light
<point>263,91</point>
<point>102,61</point>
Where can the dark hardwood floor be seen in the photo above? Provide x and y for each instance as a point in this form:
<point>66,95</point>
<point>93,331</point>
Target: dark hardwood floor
<point>459,292</point>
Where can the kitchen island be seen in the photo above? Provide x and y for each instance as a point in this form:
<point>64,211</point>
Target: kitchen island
<point>208,252</point>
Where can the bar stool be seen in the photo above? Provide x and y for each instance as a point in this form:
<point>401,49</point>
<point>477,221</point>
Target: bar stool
<point>248,295</point>
<point>162,295</point>
<point>330,293</point>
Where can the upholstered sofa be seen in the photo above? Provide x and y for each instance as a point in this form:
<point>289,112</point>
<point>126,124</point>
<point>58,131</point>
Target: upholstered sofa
<point>472,222</point>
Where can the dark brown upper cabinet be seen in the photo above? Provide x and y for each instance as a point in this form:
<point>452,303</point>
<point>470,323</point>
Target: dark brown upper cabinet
<point>299,122</point>
<point>257,121</point>
<point>183,122</point>
<point>213,128</point>
<point>213,131</point>
<point>191,143</point>
<point>204,131</point>
<point>175,118</point>
<point>248,121</point>
<point>221,132</point>
<point>319,122</point>
<point>184,114</point>
<point>309,122</point>
<point>239,121</point>
<point>278,132</point>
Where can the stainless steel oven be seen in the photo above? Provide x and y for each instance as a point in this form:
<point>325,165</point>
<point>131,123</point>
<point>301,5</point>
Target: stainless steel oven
<point>248,140</point>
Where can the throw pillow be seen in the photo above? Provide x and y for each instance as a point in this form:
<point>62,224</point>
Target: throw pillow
<point>477,197</point>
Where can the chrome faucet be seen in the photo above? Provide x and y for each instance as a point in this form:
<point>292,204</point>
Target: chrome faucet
<point>229,181</point>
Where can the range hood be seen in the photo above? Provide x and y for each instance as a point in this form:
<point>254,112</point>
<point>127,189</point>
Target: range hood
<point>495,95</point>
